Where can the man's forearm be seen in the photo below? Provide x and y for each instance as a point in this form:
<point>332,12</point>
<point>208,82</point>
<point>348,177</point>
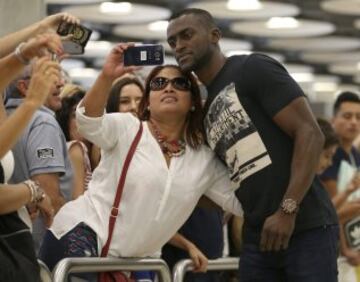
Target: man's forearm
<point>308,145</point>
<point>9,42</point>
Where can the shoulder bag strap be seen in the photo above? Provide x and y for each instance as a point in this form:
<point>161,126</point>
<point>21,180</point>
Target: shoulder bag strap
<point>115,207</point>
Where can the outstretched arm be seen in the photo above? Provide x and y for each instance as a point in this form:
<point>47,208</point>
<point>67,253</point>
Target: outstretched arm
<point>11,66</point>
<point>9,42</point>
<point>96,98</point>
<point>45,75</point>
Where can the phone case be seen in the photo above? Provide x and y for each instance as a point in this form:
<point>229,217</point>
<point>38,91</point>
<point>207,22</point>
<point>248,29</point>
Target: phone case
<point>144,55</point>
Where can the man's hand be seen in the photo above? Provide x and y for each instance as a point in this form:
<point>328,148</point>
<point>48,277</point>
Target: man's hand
<point>45,75</point>
<point>277,231</point>
<point>52,22</point>
<point>41,45</point>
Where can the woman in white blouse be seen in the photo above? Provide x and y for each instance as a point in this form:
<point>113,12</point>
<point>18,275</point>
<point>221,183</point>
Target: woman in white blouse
<point>170,170</point>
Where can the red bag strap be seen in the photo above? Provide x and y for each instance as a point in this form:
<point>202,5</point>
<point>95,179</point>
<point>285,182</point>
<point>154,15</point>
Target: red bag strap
<point>115,207</point>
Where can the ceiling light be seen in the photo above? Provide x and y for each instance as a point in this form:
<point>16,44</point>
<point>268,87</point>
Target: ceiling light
<point>325,86</point>
<point>282,22</point>
<point>158,26</point>
<point>302,77</point>
<point>244,5</point>
<point>115,8</point>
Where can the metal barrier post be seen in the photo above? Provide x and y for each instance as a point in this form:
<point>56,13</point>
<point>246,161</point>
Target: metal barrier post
<point>185,265</point>
<point>70,265</point>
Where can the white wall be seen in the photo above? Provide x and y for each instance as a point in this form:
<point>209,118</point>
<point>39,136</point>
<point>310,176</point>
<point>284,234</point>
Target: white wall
<point>16,14</point>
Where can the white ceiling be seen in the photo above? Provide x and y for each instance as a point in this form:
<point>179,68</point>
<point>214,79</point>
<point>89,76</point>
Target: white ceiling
<point>323,35</point>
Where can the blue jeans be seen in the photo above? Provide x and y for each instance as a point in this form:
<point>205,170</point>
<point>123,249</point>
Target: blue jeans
<point>310,257</point>
<point>81,241</point>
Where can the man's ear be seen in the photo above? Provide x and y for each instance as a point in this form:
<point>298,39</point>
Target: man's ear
<point>215,35</point>
<point>21,85</point>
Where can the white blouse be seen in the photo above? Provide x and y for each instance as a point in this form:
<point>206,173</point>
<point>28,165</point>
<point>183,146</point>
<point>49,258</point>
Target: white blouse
<point>156,199</point>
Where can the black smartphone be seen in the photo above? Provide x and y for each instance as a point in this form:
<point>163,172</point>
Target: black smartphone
<point>144,55</point>
<point>79,39</point>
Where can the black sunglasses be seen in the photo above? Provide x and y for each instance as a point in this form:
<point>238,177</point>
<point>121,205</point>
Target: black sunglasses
<point>179,83</point>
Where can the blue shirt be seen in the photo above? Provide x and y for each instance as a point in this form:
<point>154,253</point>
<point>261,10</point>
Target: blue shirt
<point>331,173</point>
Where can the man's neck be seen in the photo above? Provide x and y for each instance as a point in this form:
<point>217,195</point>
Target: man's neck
<point>346,146</point>
<point>208,72</point>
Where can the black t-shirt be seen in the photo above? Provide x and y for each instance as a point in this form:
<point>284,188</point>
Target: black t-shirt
<point>242,100</point>
<point>331,173</point>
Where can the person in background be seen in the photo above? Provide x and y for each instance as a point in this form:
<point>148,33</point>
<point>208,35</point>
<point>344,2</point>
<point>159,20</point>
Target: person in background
<point>78,147</point>
<point>40,153</point>
<point>125,95</point>
<point>346,124</point>
<point>17,257</point>
<point>258,122</point>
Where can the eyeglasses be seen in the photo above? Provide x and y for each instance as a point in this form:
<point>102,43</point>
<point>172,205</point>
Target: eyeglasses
<point>179,83</point>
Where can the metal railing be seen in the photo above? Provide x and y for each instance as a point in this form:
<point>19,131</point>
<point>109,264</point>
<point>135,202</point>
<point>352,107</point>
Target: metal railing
<point>77,265</point>
<point>186,265</point>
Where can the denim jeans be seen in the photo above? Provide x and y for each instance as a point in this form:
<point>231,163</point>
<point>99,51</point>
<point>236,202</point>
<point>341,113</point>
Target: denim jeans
<point>310,257</point>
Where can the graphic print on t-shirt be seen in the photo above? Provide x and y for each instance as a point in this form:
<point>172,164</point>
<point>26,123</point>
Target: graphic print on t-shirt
<point>233,136</point>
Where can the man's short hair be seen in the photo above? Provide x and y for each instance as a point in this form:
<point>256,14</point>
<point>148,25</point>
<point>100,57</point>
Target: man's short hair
<point>204,16</point>
<point>11,91</point>
<point>343,97</point>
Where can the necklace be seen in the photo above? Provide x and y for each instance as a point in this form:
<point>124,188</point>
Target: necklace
<point>173,148</point>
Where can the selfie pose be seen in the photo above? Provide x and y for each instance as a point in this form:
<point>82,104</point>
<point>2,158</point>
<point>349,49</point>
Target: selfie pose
<point>161,187</point>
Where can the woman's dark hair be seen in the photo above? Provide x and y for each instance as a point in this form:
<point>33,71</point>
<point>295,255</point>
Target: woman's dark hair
<point>63,115</point>
<point>331,138</point>
<point>194,134</point>
<point>114,97</point>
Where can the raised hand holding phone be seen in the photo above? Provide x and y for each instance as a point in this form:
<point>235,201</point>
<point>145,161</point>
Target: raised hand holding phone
<point>144,55</point>
<point>79,37</point>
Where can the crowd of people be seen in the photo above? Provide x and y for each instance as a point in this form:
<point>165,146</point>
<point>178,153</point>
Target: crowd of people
<point>132,168</point>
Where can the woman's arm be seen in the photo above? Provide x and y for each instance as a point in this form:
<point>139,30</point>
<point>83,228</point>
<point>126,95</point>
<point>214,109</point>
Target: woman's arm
<point>11,66</point>
<point>45,75</point>
<point>96,98</point>
<point>199,259</point>
<point>76,155</point>
<point>9,42</point>
<point>221,190</point>
<point>13,197</point>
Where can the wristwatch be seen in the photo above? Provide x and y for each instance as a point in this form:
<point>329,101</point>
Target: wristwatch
<point>289,206</point>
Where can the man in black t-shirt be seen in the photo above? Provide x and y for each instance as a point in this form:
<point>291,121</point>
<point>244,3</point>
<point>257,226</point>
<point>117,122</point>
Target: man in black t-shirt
<point>260,125</point>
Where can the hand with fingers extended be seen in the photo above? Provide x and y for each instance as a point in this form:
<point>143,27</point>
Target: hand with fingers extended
<point>53,21</point>
<point>114,63</point>
<point>45,75</point>
<point>277,231</point>
<point>41,45</point>
<point>200,261</point>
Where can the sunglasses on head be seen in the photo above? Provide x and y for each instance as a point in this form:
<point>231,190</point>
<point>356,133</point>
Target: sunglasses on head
<point>179,83</point>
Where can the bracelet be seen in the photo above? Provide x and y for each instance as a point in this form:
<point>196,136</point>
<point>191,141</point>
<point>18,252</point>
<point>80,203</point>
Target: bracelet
<point>19,55</point>
<point>37,194</point>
